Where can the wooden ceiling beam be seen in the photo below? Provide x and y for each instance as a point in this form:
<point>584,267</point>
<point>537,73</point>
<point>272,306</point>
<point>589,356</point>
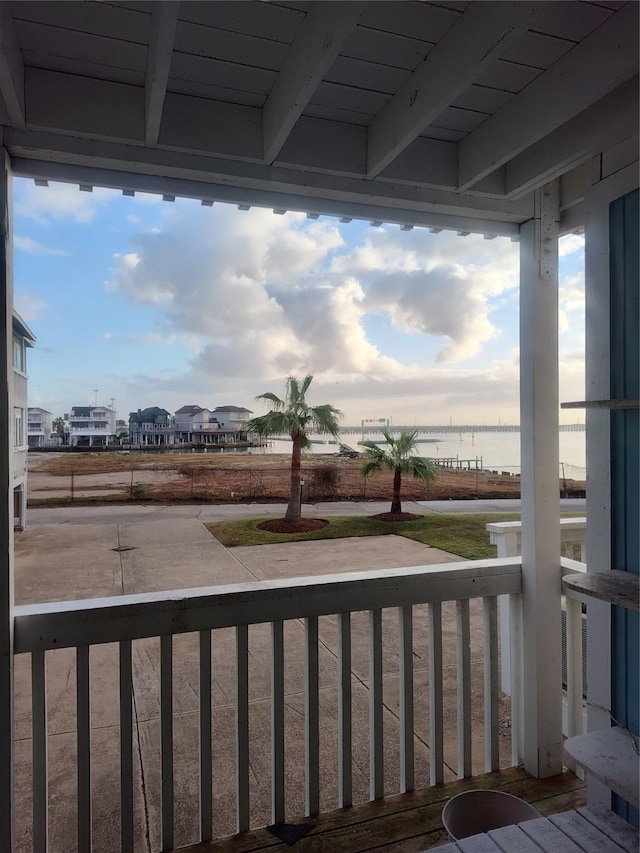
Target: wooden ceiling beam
<point>597,128</point>
<point>11,68</point>
<point>592,69</point>
<point>164,18</point>
<point>286,182</point>
<point>481,34</point>
<point>125,175</point>
<point>314,50</point>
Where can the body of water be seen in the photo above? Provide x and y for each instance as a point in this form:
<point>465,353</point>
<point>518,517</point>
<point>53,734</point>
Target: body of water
<point>498,450</point>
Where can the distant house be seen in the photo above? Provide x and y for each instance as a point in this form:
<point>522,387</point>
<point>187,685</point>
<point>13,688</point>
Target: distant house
<point>91,426</point>
<point>151,427</point>
<point>39,427</point>
<point>196,425</point>
<point>232,417</point>
<point>23,339</point>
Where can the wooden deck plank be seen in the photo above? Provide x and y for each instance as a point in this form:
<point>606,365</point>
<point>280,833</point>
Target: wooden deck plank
<point>618,830</point>
<point>590,838</point>
<point>405,823</point>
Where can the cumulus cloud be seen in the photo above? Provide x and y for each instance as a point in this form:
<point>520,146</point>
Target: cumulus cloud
<point>437,286</point>
<point>570,244</point>
<point>58,201</point>
<point>26,244</point>
<point>253,289</point>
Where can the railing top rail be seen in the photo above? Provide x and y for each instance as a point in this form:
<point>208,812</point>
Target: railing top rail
<point>516,526</point>
<point>569,567</point>
<point>65,624</point>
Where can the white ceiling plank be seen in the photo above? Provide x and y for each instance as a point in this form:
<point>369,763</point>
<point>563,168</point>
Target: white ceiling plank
<point>11,68</point>
<point>602,62</point>
<point>79,106</point>
<point>316,46</point>
<point>611,119</point>
<point>164,17</point>
<point>84,105</point>
<point>474,42</point>
<point>125,176</point>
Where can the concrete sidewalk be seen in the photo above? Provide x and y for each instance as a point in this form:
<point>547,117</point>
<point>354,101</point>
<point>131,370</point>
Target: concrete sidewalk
<point>109,551</point>
<point>222,512</point>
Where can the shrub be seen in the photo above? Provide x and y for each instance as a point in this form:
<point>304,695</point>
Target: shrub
<point>138,491</point>
<point>323,481</point>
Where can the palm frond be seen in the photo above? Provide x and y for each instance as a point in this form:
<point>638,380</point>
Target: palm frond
<point>272,398</point>
<point>273,423</point>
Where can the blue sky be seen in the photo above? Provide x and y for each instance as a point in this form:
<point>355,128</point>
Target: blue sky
<point>167,304</point>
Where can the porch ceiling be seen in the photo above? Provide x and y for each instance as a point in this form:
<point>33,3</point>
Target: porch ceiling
<point>445,114</point>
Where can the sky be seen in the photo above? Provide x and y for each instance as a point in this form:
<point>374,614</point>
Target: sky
<point>153,303</point>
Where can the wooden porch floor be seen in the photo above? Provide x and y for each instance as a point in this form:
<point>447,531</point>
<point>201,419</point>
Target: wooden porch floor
<point>405,823</point>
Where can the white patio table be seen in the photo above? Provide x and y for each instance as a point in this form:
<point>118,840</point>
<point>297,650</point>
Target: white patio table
<point>585,830</point>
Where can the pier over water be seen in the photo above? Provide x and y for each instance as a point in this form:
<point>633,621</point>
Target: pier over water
<point>449,429</point>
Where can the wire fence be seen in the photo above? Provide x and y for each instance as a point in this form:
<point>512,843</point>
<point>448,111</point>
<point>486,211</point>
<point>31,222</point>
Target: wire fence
<point>324,481</point>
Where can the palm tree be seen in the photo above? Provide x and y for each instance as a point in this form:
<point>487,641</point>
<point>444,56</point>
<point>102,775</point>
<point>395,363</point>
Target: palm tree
<point>398,456</point>
<point>295,416</point>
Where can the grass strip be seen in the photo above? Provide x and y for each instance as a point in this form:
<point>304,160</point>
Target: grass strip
<point>461,534</point>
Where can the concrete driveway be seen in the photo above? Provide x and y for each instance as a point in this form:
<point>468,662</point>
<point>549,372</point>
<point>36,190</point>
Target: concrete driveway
<point>110,551</point>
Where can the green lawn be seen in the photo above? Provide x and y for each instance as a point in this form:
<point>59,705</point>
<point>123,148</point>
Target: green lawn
<point>461,534</point>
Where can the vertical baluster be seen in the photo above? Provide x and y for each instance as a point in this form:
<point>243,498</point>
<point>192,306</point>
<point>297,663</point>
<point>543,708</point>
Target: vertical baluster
<point>376,743</point>
<point>206,781</point>
<point>166,739</point>
<point>277,722</point>
<point>242,726</point>
<point>463,668</point>
<point>407,762</point>
<point>126,748</point>
<point>345,786</point>
<point>311,719</point>
<point>83,717</point>
<point>574,668</point>
<point>516,640</point>
<point>436,715</point>
<point>39,745</point>
<point>491,684</point>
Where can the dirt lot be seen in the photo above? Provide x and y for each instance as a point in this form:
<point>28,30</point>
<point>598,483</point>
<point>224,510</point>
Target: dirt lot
<point>97,477</point>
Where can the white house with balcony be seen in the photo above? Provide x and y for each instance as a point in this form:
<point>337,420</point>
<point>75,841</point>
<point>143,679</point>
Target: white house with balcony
<point>515,119</point>
<point>39,427</point>
<point>90,426</point>
<point>22,339</point>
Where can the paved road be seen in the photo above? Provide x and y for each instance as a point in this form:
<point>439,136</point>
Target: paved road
<point>220,512</point>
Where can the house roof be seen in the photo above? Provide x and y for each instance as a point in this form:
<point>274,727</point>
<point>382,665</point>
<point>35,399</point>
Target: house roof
<point>149,413</point>
<point>21,328</point>
<point>38,409</point>
<point>440,114</point>
<point>237,409</point>
<point>189,410</point>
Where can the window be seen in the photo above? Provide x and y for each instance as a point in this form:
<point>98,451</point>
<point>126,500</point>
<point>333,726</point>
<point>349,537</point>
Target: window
<point>18,354</point>
<point>18,433</point>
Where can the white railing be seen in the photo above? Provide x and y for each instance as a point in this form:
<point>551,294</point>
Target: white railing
<point>506,535</point>
<point>89,624</point>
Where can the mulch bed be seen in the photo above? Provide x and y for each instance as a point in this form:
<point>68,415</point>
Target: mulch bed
<point>397,516</point>
<point>300,525</point>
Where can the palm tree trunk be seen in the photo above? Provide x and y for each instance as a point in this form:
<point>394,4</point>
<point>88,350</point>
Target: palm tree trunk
<point>293,507</point>
<point>396,506</point>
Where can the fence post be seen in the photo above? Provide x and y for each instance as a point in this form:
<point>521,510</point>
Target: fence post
<point>72,489</point>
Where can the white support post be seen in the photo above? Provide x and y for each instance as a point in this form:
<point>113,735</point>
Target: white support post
<point>6,516</point>
<point>539,404</point>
